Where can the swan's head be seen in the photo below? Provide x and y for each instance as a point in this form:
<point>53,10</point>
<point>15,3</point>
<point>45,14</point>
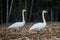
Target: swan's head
<point>24,10</point>
<point>44,11</point>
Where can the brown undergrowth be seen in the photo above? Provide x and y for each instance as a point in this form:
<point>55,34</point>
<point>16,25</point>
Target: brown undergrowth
<point>51,32</point>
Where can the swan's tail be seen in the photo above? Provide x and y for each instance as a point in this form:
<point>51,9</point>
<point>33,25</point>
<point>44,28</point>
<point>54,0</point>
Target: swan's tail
<point>9,27</point>
<point>30,29</point>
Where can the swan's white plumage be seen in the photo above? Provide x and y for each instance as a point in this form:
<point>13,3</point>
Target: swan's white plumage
<point>39,26</point>
<point>18,25</point>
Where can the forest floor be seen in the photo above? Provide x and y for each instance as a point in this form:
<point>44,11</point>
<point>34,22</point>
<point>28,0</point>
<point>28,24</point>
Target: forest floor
<point>50,32</point>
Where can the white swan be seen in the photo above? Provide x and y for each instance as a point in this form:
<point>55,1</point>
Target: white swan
<point>18,25</point>
<point>39,26</point>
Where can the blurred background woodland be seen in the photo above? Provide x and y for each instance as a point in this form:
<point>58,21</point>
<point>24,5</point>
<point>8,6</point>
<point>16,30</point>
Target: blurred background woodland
<point>33,7</point>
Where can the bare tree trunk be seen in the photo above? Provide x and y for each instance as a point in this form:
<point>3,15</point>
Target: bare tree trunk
<point>7,13</point>
<point>51,16</point>
<point>20,5</point>
<point>10,8</point>
<point>57,16</point>
<point>19,2</point>
<point>31,10</point>
<point>1,14</point>
<point>25,4</point>
<point>26,9</point>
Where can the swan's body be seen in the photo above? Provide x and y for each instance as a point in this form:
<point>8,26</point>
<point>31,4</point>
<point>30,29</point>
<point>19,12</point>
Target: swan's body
<point>39,26</point>
<point>18,25</point>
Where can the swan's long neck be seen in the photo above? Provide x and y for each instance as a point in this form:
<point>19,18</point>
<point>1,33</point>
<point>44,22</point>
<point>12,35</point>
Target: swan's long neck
<point>23,16</point>
<point>43,17</point>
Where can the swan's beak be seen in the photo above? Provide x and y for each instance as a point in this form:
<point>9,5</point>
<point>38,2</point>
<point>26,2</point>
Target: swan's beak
<point>24,10</point>
<point>46,12</point>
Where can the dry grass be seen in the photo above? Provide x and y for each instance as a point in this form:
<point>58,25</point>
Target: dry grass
<point>51,32</point>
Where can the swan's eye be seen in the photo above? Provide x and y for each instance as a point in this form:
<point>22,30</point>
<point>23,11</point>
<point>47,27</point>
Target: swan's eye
<point>45,11</point>
<point>24,10</point>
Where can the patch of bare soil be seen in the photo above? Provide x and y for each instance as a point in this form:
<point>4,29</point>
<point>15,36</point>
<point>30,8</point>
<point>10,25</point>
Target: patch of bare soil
<point>50,32</point>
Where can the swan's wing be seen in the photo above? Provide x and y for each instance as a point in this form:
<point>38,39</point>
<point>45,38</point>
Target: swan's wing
<point>37,26</point>
<point>17,24</point>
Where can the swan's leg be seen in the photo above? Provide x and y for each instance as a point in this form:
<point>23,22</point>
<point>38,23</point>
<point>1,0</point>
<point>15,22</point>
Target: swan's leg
<point>17,29</point>
<point>38,35</point>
